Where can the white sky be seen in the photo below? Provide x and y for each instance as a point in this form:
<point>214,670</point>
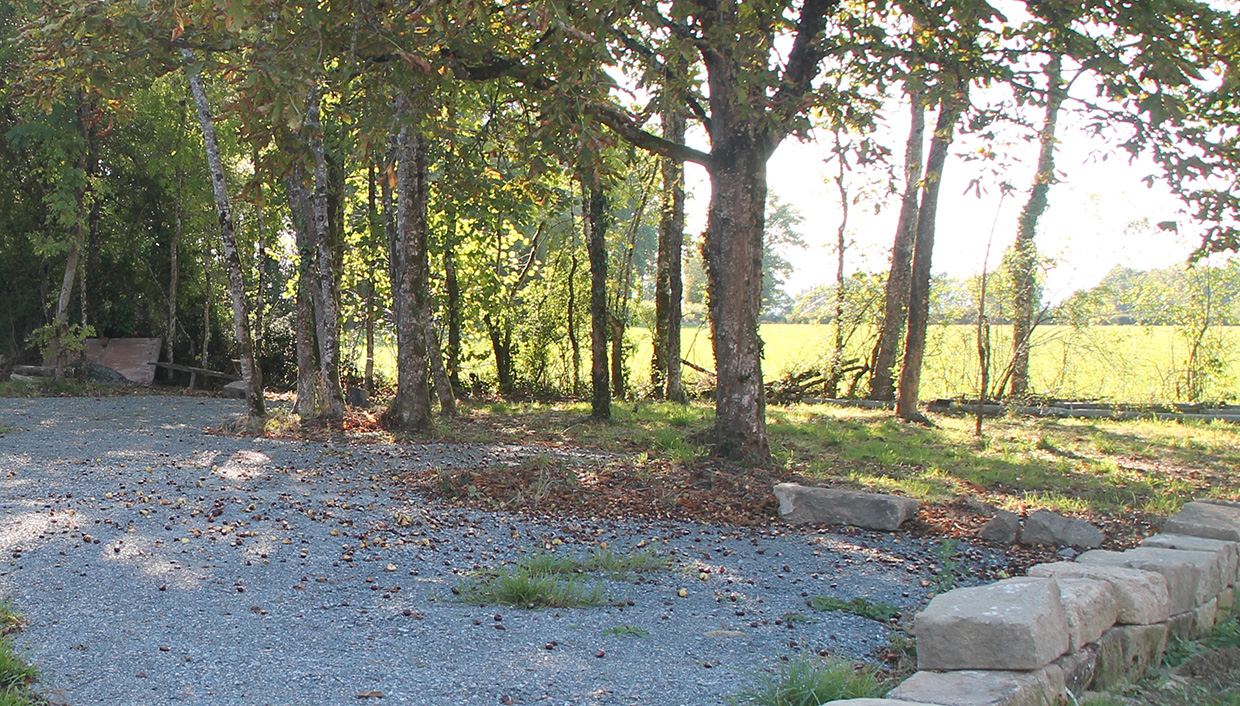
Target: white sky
<point>1086,229</point>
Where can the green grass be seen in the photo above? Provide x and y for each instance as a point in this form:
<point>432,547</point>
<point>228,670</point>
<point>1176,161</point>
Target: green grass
<point>547,580</point>
<point>523,589</point>
<point>628,631</point>
<point>809,681</point>
<point>882,612</point>
<point>16,676</point>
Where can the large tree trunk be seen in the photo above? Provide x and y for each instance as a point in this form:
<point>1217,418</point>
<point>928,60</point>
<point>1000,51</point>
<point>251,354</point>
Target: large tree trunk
<point>311,402</point>
<point>669,283</point>
<point>326,300</point>
<point>1022,265</point>
<point>734,269</point>
<point>174,275</point>
<point>950,108</point>
<point>410,409</point>
<point>77,242</point>
<point>596,222</point>
<point>232,259</point>
<point>895,305</point>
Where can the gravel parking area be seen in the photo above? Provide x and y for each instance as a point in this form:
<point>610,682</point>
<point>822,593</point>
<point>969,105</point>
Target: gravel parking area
<point>159,564</point>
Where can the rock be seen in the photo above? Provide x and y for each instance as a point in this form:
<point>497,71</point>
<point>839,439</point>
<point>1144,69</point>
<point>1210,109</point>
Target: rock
<point>1012,624</point>
<point>1004,528</point>
<point>1193,624</point>
<point>235,390</point>
<point>1068,553</point>
<point>800,504</point>
<point>1079,668</point>
<point>1046,527</point>
<point>874,702</point>
<point>1212,520</point>
<point>1227,598</point>
<point>979,507</point>
<point>103,375</point>
<point>357,397</point>
<point>1141,597</point>
<point>1192,577</point>
<point>1090,607</point>
<point>1228,552</point>
<point>983,688</point>
<point>1127,652</point>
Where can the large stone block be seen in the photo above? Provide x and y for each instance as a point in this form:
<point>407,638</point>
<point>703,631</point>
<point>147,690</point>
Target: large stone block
<point>1046,527</point>
<point>1227,598</point>
<point>1012,624</point>
<point>1213,520</point>
<point>1228,552</point>
<point>1090,607</point>
<point>1193,624</point>
<point>1127,652</point>
<point>799,504</point>
<point>983,688</point>
<point>1192,577</point>
<point>1141,596</point>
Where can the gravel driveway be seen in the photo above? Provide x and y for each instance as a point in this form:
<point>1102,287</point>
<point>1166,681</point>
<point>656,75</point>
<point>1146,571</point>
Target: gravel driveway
<point>158,564</point>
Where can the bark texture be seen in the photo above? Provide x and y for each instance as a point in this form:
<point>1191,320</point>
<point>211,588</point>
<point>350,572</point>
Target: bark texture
<point>410,409</point>
<point>596,222</point>
<point>895,301</point>
<point>669,282</point>
<point>950,109</point>
<point>311,399</point>
<point>325,294</point>
<point>232,259</point>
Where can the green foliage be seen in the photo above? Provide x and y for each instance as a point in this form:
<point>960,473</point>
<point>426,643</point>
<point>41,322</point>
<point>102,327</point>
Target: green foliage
<point>806,680</point>
<point>525,589</point>
<point>864,607</point>
<point>945,578</point>
<point>67,342</point>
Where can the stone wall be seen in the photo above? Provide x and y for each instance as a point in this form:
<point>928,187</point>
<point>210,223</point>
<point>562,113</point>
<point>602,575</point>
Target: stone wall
<point>1072,626</point>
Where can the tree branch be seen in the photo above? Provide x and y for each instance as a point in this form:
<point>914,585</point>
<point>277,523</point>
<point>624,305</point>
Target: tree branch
<point>802,67</point>
<point>624,126</point>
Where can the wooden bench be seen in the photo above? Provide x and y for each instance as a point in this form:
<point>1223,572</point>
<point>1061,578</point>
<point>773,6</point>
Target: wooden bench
<point>195,372</point>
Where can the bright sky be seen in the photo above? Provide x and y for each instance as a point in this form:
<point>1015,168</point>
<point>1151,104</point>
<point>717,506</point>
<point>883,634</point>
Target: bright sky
<point>1087,228</point>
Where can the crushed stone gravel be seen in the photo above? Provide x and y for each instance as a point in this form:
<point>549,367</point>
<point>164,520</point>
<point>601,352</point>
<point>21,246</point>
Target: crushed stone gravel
<point>158,564</point>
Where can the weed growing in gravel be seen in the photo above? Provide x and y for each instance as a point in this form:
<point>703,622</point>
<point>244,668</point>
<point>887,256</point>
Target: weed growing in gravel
<point>524,589</point>
<point>641,561</point>
<point>15,675</point>
<point>628,631</point>
<point>809,681</point>
<point>882,612</point>
<point>949,561</point>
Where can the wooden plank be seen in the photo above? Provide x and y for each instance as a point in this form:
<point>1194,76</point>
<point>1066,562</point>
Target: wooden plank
<point>201,371</point>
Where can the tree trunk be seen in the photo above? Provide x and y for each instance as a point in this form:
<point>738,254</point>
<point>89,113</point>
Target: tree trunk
<point>174,276</point>
<point>452,289</point>
<point>733,253</point>
<point>326,300</point>
<point>950,108</point>
<point>573,343</point>
<point>443,387</point>
<point>311,402</point>
<point>895,304</point>
<point>837,350</point>
<point>669,283</point>
<point>1023,262</point>
<point>236,284</point>
<point>596,223</point>
<point>618,383</point>
<point>410,409</point>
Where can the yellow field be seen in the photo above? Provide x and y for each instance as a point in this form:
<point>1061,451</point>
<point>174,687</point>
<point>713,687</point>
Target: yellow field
<point>1134,364</point>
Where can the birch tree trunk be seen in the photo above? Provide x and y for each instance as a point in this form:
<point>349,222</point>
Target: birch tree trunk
<point>311,402</point>
<point>232,259</point>
<point>327,310</point>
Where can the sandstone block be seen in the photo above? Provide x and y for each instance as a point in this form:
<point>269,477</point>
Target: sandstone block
<point>983,688</point>
<point>1046,527</point>
<point>1090,607</point>
<point>1141,596</point>
<point>799,504</point>
<point>1228,552</point>
<point>1012,624</point>
<point>1192,577</point>
<point>1212,520</point>
<point>1004,528</point>
<point>1207,616</point>
<point>1126,652</point>
<point>1182,626</point>
<point>1078,668</point>
<point>1227,599</point>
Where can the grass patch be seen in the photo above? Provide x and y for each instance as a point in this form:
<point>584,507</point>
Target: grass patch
<point>810,681</point>
<point>546,580</point>
<point>523,589</point>
<point>882,612</point>
<point>16,676</point>
<point>628,631</point>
